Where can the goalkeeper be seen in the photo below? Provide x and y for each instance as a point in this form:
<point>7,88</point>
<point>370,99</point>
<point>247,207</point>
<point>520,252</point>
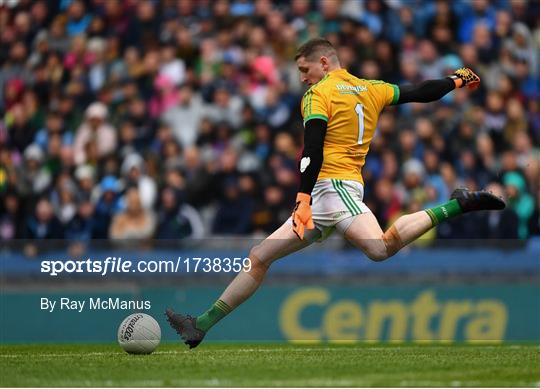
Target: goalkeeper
<point>340,113</point>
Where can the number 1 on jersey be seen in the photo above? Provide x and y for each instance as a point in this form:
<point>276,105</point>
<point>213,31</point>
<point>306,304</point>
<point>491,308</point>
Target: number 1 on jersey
<point>359,109</point>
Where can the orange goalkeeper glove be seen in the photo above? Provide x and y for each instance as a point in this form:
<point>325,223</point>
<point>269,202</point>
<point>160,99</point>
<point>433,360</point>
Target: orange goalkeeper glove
<point>465,77</point>
<point>301,216</point>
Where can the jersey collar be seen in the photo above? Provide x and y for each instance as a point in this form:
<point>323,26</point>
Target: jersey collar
<point>337,72</point>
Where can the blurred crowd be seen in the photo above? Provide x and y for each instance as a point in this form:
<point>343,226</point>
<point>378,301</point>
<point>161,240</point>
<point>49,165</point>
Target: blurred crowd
<point>177,118</point>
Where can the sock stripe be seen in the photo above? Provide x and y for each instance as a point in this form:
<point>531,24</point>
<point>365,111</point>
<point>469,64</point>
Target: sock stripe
<point>208,319</point>
<point>432,217</point>
<point>223,306</point>
<point>444,211</point>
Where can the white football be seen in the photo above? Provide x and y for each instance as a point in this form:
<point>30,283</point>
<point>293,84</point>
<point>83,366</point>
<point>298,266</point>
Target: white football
<point>139,334</point>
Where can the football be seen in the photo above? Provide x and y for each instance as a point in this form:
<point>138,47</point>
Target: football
<point>139,333</point>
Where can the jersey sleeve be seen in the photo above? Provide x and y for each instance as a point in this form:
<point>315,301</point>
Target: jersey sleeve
<point>385,93</point>
<point>315,106</point>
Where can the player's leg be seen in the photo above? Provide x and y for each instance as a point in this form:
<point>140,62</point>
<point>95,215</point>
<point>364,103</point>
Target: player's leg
<point>279,244</point>
<point>365,233</point>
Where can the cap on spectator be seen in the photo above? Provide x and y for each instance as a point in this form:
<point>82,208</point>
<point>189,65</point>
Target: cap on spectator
<point>413,166</point>
<point>96,45</point>
<point>84,171</point>
<point>109,184</point>
<point>452,61</point>
<point>131,161</point>
<point>163,81</point>
<point>96,110</point>
<point>521,29</point>
<point>265,65</point>
<point>69,186</point>
<point>34,152</point>
<point>516,180</point>
<point>228,58</point>
<point>41,36</point>
<point>16,84</point>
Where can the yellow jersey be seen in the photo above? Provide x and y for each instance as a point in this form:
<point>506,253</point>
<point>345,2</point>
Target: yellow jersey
<point>351,107</point>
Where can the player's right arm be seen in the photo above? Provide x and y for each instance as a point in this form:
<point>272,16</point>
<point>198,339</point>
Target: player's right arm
<point>425,92</point>
<point>433,90</point>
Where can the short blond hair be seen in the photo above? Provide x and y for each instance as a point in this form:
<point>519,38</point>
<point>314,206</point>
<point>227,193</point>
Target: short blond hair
<point>316,47</point>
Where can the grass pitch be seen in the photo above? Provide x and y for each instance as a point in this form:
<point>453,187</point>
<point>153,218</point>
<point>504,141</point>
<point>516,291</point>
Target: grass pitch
<point>272,365</point>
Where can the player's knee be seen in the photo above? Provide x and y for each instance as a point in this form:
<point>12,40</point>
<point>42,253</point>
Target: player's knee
<point>377,254</point>
<point>392,241</point>
<point>253,251</point>
<point>257,268</point>
<point>256,255</point>
<point>389,244</point>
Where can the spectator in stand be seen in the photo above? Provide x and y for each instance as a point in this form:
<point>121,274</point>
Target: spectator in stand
<point>386,204</point>
<point>43,224</point>
<point>64,199</point>
<point>184,118</point>
<point>177,220</point>
<point>166,96</point>
<point>106,207</point>
<point>78,20</point>
<point>225,108</point>
<point>134,176</point>
<point>498,225</point>
<point>32,177</point>
<point>96,133</point>
<point>135,222</point>
<point>81,226</point>
<point>12,219</point>
<point>234,211</point>
<point>198,178</point>
<point>54,126</point>
<point>519,200</point>
<point>412,187</point>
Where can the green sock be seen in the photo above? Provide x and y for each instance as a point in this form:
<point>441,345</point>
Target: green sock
<point>216,312</point>
<point>444,211</point>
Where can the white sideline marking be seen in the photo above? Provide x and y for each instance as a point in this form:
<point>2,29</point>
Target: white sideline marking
<point>172,352</point>
<point>243,350</point>
<point>75,354</point>
<point>90,383</point>
<point>432,384</point>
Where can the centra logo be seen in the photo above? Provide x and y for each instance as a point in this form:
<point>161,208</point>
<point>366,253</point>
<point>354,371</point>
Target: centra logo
<point>312,315</point>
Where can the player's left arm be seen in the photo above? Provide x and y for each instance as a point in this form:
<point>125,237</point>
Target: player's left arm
<point>433,90</point>
<point>312,156</point>
<point>310,166</point>
<point>315,112</point>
